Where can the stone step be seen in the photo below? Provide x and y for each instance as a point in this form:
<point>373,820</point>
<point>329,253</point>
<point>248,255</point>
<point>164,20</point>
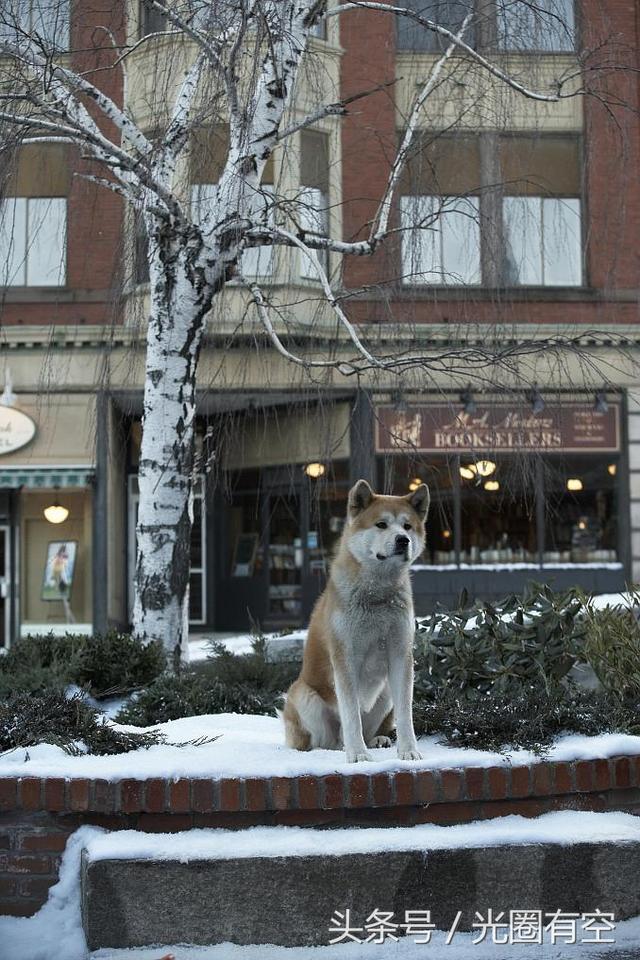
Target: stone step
<point>284,885</point>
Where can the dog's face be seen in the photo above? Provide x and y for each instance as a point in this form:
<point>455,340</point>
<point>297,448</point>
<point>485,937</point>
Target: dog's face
<point>386,532</point>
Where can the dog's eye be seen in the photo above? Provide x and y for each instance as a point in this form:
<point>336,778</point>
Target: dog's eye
<point>408,526</point>
<point>381,524</point>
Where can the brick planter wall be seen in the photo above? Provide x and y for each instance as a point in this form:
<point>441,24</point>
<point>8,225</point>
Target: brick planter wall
<point>37,815</point>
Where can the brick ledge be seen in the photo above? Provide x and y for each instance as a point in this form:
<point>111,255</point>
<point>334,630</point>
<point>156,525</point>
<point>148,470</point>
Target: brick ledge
<point>359,790</point>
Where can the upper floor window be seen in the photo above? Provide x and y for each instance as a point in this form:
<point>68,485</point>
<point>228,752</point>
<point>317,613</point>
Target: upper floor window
<point>440,240</point>
<point>411,35</point>
<point>33,219</point>
<point>47,20</point>
<point>152,20</point>
<point>541,211</point>
<point>312,209</point>
<point>546,26</point>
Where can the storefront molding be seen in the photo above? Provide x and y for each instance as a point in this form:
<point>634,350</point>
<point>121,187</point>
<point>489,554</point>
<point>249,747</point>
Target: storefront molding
<point>38,814</point>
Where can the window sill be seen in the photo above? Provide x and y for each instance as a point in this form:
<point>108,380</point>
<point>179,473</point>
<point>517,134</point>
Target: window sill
<point>53,295</point>
<point>501,294</point>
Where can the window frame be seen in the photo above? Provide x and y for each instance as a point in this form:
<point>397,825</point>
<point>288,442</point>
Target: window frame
<point>407,237</point>
<point>28,244</point>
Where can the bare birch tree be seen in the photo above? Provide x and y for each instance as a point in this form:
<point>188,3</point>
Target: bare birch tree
<point>244,56</point>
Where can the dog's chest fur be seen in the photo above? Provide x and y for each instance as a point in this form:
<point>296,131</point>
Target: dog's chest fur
<point>373,622</point>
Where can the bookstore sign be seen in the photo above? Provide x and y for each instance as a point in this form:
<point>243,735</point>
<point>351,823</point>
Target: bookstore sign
<point>498,428</point>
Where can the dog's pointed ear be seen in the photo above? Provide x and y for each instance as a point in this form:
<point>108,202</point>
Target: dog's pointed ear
<point>420,500</point>
<point>360,496</point>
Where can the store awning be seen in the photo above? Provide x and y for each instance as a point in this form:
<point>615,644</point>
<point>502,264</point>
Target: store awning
<point>41,478</point>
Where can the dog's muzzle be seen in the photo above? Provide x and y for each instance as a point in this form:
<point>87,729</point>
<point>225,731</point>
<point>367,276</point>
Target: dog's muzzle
<point>402,546</point>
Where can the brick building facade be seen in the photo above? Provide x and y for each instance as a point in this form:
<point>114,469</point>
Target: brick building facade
<point>534,241</point>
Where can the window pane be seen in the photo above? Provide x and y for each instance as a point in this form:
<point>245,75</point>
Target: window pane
<point>311,213</point>
<point>50,19</point>
<point>13,231</point>
<point>498,512</point>
<point>523,240</point>
<point>461,241</point>
<point>442,166</point>
<point>196,558</point>
<point>544,25</point>
<point>562,242</point>
<point>580,524</point>
<point>195,597</point>
<point>258,261</point>
<point>152,20</point>
<point>447,13</point>
<point>420,241</point>
<point>47,242</point>
<point>314,160</point>
<point>541,166</point>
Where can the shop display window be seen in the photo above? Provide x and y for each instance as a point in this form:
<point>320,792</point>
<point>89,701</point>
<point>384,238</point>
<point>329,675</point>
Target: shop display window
<point>498,511</point>
<point>580,510</point>
<point>398,475</point>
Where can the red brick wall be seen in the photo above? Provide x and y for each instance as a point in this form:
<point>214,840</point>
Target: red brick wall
<point>38,815</point>
<point>94,214</point>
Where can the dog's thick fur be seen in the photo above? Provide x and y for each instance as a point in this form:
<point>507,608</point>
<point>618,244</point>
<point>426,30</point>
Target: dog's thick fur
<point>357,671</point>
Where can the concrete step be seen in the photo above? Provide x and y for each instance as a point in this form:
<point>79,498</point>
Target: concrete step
<point>208,887</point>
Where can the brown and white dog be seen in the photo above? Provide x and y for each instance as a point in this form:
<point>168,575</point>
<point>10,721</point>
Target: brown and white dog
<point>357,671</point>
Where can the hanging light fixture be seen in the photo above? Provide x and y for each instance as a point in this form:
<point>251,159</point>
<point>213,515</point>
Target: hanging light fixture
<point>468,471</point>
<point>600,404</point>
<point>415,483</point>
<point>536,399</point>
<point>56,513</point>
<point>469,405</point>
<point>491,485</point>
<point>612,469</point>
<point>484,468</point>
<point>574,484</point>
<point>315,470</point>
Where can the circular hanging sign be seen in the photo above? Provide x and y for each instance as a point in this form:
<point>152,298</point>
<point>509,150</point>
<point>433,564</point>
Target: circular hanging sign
<point>16,430</point>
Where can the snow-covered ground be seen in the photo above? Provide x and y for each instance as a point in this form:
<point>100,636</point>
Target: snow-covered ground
<point>57,931</point>
<point>249,746</point>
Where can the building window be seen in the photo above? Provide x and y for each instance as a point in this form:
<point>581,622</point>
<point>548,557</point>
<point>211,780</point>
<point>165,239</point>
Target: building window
<point>411,35</point>
<point>440,240</point>
<point>33,242</point>
<point>312,209</point>
<point>545,26</point>
<point>152,20</point>
<point>541,211</point>
<point>542,242</point>
<point>46,20</point>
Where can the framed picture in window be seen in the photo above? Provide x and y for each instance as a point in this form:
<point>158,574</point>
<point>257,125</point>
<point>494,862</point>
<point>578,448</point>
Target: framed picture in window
<point>59,570</point>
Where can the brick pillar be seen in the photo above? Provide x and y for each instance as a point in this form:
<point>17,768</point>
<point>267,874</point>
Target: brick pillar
<point>369,138</point>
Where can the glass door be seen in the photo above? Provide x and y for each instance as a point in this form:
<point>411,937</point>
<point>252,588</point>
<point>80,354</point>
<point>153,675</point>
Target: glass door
<point>284,539</point>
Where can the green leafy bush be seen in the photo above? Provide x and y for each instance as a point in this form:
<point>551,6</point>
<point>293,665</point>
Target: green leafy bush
<point>528,719</point>
<point>106,665</point>
<point>227,683</point>
<point>612,647</point>
<point>68,722</point>
<point>532,640</point>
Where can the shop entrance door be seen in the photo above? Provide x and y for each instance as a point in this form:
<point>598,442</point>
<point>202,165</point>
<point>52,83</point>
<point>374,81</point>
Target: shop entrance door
<point>5,587</point>
<point>284,537</point>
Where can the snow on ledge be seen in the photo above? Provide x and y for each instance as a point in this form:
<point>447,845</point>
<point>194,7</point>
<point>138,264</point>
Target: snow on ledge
<point>563,827</point>
<point>253,746</point>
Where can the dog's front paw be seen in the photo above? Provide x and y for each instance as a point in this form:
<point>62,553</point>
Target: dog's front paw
<point>411,754</point>
<point>358,756</point>
<point>379,742</point>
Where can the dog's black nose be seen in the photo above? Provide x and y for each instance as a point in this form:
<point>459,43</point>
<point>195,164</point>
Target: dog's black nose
<point>402,541</point>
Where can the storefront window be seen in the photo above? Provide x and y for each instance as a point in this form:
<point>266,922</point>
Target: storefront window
<point>498,518</point>
<point>580,510</point>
